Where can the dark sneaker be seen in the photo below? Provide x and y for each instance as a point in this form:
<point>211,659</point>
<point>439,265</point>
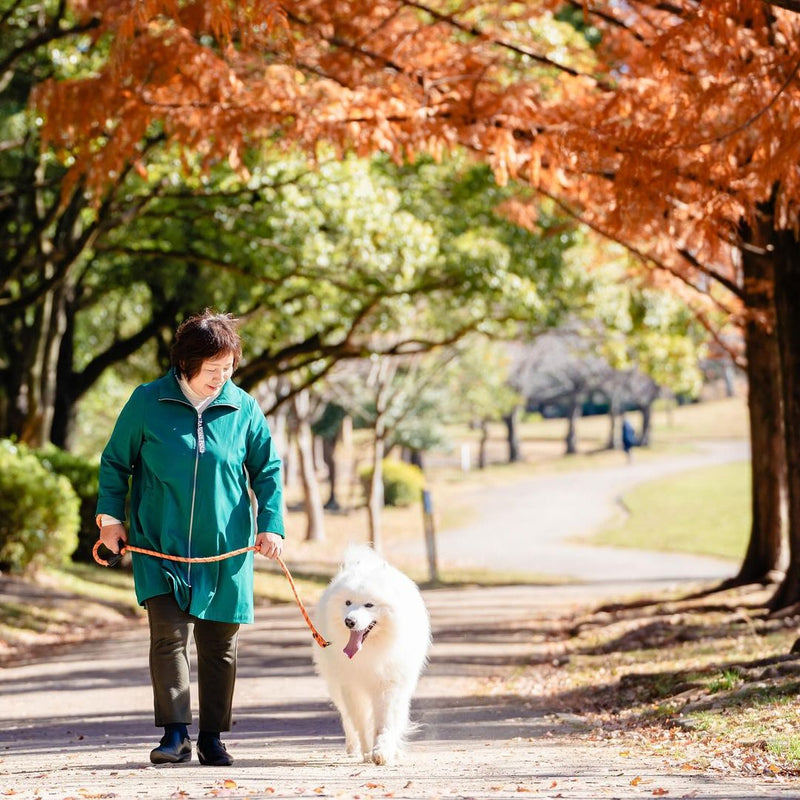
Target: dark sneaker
<point>175,748</point>
<point>212,752</point>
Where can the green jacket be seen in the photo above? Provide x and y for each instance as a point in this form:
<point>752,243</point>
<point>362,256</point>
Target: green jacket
<point>189,477</point>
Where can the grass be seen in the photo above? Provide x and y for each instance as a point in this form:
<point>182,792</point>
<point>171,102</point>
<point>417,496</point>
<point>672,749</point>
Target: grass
<point>705,511</point>
<point>785,748</point>
<point>763,719</point>
<point>108,586</point>
<point>726,680</point>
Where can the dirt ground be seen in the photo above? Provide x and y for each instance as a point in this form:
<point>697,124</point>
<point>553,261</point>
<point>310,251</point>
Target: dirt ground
<point>77,722</point>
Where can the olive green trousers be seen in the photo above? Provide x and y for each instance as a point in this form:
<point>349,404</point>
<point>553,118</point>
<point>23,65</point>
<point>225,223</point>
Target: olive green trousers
<point>215,644</point>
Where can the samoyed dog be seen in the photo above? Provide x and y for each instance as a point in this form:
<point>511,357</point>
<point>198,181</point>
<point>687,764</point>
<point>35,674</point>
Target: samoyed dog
<point>379,632</point>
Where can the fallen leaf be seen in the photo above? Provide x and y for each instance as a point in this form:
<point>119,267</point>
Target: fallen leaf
<point>636,781</point>
<point>660,792</point>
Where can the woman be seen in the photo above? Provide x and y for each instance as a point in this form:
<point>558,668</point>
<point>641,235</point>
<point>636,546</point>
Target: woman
<point>194,447</point>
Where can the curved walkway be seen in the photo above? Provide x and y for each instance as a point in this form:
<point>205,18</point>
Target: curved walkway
<point>531,525</point>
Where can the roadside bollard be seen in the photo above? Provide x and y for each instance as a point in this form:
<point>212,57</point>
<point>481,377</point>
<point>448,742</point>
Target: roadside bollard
<point>430,534</point>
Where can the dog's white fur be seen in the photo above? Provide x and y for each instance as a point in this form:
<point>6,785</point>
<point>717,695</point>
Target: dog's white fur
<point>378,626</point>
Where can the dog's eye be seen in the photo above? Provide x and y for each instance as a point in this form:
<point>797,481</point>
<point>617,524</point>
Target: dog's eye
<point>367,605</point>
<point>347,603</point>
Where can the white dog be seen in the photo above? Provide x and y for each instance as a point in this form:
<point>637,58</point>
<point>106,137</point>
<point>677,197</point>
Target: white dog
<point>379,632</point>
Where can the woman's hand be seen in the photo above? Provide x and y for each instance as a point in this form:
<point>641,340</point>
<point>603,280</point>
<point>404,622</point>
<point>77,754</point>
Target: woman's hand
<point>269,544</point>
<point>113,535</point>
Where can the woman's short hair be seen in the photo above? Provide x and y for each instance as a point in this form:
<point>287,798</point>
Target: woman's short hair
<point>202,337</point>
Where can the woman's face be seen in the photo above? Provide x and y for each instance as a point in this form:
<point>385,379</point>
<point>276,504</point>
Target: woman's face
<point>213,373</point>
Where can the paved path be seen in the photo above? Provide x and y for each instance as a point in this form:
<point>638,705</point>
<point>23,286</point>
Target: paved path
<point>530,525</point>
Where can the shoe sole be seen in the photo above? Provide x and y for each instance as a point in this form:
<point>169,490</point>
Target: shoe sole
<point>206,763</point>
<point>215,763</point>
<point>165,759</point>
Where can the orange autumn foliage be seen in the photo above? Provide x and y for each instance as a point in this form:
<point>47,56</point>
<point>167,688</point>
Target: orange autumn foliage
<point>667,134</point>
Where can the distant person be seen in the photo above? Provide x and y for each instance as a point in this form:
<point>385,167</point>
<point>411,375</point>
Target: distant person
<point>628,437</point>
<point>193,446</point>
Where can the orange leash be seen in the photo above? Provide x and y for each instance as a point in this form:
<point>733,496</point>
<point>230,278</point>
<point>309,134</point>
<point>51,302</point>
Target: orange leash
<point>129,548</point>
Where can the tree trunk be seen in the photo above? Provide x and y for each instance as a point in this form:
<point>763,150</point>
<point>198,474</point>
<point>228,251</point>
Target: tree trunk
<point>381,379</point>
<point>64,404</point>
<point>787,289</point>
<point>768,482</point>
<point>647,423</point>
<point>329,457</point>
<point>31,392</point>
<point>483,426</point>
<point>347,466</point>
<point>572,425</point>
<point>511,420</point>
<point>728,376</point>
<point>375,501</point>
<point>280,436</point>
<point>315,521</point>
<point>614,412</point>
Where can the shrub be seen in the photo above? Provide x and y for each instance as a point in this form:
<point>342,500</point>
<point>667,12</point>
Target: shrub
<point>84,477</point>
<point>402,483</point>
<point>38,511</point>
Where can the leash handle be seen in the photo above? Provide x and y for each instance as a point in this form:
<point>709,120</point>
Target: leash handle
<point>129,548</point>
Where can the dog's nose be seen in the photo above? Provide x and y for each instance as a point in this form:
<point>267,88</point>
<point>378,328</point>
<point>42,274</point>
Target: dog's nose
<point>350,622</point>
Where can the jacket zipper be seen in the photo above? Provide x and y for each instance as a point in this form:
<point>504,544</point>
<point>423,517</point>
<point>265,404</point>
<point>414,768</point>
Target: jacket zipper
<point>201,448</point>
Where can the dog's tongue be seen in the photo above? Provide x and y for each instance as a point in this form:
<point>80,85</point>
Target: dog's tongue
<point>354,645</point>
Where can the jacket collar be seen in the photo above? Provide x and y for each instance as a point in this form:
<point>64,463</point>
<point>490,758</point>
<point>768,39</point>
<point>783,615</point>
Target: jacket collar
<point>170,389</point>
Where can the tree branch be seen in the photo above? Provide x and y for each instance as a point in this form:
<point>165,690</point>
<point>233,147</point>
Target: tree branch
<point>478,33</point>
<point>50,34</point>
<point>708,271</point>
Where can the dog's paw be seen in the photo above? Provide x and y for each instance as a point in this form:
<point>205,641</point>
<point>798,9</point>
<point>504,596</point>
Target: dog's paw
<point>383,756</point>
<point>353,747</point>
